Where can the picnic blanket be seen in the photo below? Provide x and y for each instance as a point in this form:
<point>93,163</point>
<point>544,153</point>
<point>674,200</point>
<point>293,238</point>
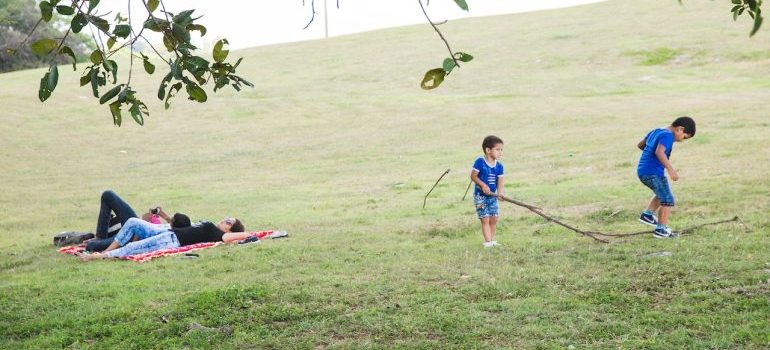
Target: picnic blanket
<point>73,249</point>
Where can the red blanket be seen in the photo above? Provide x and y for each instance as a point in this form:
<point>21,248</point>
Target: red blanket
<point>73,249</point>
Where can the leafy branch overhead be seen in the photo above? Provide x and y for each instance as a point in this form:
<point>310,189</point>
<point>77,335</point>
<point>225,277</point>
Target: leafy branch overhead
<point>752,7</point>
<point>434,77</point>
<point>186,69</point>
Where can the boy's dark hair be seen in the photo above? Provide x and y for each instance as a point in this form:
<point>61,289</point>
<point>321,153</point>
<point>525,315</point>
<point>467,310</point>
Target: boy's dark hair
<point>180,220</point>
<point>237,226</point>
<point>687,123</point>
<point>490,142</point>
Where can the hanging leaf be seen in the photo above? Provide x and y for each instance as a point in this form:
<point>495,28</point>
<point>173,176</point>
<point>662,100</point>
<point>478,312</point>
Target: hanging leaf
<point>53,78</point>
<point>78,22</point>
<point>46,10</point>
<point>110,94</point>
<point>122,30</point>
<point>95,82</point>
<point>100,23</point>
<point>43,46</point>
<point>115,110</point>
<point>92,5</point>
<point>66,50</point>
<point>171,92</point>
<point>148,67</point>
<point>757,24</point>
<point>196,93</point>
<point>43,93</point>
<point>463,57</point>
<point>65,10</point>
<point>85,79</point>
<point>198,27</point>
<point>153,5</point>
<point>96,57</point>
<point>111,42</point>
<point>463,5</point>
<point>219,54</point>
<point>433,78</point>
<point>112,67</point>
<point>448,65</point>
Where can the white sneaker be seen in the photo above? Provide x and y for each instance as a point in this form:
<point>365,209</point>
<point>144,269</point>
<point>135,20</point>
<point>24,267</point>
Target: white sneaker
<point>488,245</point>
<point>495,244</point>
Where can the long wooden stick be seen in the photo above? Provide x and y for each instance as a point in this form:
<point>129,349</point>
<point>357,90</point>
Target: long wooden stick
<point>466,190</point>
<point>425,200</point>
<point>682,231</point>
<point>538,211</point>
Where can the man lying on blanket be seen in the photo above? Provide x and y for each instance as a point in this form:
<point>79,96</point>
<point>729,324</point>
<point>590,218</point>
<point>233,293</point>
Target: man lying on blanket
<point>153,237</point>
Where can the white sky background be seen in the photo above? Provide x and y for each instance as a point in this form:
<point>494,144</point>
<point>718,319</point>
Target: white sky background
<point>264,22</point>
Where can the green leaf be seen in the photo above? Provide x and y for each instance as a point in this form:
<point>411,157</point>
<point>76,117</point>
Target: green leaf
<point>100,23</point>
<point>65,10</point>
<point>237,63</point>
<point>112,66</point>
<point>155,24</point>
<point>111,42</point>
<point>96,57</point>
<point>122,30</point>
<point>46,10</point>
<point>137,110</point>
<point>78,22</point>
<point>449,64</point>
<point>433,78</point>
<point>115,110</point>
<point>43,46</point>
<point>53,78</point>
<point>43,93</point>
<point>148,67</point>
<point>198,27</point>
<point>757,23</point>
<point>92,5</point>
<point>110,94</point>
<point>463,57</point>
<point>219,54</point>
<point>66,50</point>
<point>153,5</point>
<point>737,2</point>
<point>463,5</point>
<point>196,93</point>
<point>95,82</point>
<point>169,42</point>
<point>183,18</point>
<point>174,88</point>
<point>85,79</point>
<point>163,83</point>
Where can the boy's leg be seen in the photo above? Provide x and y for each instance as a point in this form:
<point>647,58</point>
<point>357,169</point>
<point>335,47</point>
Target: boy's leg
<point>485,229</point>
<point>492,227</point>
<point>654,204</point>
<point>663,214</point>
<point>111,202</point>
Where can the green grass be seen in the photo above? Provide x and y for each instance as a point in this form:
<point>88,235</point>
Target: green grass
<point>338,145</point>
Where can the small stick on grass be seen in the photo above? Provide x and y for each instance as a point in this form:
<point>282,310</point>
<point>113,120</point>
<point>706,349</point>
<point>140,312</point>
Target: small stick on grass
<point>682,231</point>
<point>467,189</point>
<point>538,211</point>
<point>425,200</point>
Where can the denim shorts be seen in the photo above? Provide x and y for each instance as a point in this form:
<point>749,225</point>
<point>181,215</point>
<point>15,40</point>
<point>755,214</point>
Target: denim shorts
<point>486,206</point>
<point>659,185</point>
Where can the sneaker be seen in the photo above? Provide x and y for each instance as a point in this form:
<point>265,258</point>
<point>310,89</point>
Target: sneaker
<point>495,244</point>
<point>279,234</point>
<point>648,219</point>
<point>71,238</point>
<point>664,232</point>
<point>488,245</point>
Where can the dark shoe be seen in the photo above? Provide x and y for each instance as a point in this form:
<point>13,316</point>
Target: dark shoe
<point>664,232</point>
<point>648,219</point>
<point>70,238</point>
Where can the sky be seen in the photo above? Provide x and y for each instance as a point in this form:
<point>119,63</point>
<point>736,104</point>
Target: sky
<point>264,22</point>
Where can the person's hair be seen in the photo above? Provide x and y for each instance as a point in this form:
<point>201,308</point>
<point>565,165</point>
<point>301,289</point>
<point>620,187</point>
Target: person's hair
<point>180,220</point>
<point>490,142</point>
<point>687,123</point>
<point>237,226</point>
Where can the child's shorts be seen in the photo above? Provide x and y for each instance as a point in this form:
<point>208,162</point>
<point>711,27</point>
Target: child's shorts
<point>659,185</point>
<point>486,206</point>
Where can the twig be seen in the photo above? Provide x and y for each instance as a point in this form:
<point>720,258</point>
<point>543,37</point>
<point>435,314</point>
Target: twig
<point>451,54</point>
<point>312,10</point>
<point>425,200</point>
<point>682,231</point>
<point>538,211</point>
<point>467,189</point>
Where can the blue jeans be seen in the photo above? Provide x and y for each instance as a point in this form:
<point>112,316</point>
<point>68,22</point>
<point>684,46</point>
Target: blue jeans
<point>160,241</point>
<point>139,228</point>
<point>486,206</point>
<point>659,185</point>
<point>110,202</point>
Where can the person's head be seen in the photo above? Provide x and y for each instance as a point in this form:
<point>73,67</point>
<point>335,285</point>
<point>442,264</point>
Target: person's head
<point>180,220</point>
<point>683,128</point>
<point>231,225</point>
<point>492,146</point>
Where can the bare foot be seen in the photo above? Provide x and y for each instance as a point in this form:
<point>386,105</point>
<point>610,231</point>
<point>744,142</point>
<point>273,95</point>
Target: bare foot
<point>94,256</point>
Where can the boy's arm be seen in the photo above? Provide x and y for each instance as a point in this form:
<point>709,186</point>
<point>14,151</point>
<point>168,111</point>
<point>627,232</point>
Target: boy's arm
<point>660,153</point>
<point>642,143</point>
<point>478,182</point>
<point>500,188</point>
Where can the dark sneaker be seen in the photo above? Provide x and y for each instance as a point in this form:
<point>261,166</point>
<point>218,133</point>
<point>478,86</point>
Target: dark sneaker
<point>664,232</point>
<point>70,238</point>
<point>648,219</point>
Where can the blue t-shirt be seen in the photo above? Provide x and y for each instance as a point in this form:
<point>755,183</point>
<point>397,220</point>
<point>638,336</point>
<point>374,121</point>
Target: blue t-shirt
<point>488,174</point>
<point>648,162</point>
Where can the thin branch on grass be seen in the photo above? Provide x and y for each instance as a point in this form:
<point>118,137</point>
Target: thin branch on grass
<point>538,211</point>
<point>682,231</point>
<point>467,189</point>
<point>425,200</point>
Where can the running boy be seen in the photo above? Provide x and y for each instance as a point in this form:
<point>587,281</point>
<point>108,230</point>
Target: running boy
<point>656,150</point>
<point>487,174</point>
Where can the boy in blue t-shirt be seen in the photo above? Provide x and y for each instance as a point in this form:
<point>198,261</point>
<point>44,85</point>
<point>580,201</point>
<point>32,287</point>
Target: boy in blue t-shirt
<point>656,150</point>
<point>487,174</point>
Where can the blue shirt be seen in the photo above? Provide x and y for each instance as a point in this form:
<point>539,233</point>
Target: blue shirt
<point>488,174</point>
<point>648,162</point>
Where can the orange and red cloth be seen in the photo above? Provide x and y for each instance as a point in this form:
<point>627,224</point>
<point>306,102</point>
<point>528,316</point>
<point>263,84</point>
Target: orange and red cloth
<point>74,249</point>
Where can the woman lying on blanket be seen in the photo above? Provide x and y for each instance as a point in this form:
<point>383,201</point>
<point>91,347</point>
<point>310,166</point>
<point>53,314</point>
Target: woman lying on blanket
<point>153,237</point>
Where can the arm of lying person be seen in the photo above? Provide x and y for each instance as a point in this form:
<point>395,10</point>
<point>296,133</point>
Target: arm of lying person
<point>234,237</point>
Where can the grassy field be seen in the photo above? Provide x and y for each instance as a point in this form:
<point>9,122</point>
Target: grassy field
<point>338,145</point>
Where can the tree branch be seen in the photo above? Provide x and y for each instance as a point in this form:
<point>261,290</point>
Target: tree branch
<point>538,211</point>
<point>451,53</point>
<point>312,9</point>
<point>425,200</point>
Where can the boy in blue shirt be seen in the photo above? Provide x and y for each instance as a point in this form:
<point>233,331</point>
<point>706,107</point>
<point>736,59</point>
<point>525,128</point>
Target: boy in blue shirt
<point>656,150</point>
<point>487,174</point>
